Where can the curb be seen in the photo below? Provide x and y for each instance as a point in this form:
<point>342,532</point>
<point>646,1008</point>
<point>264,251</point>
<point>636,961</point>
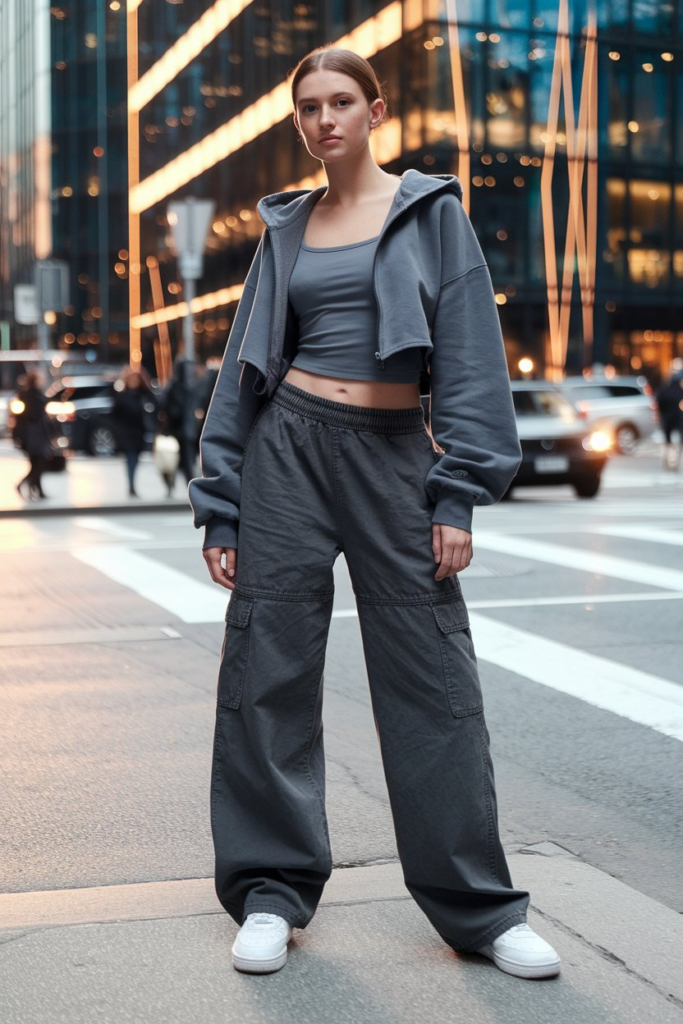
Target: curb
<point>68,510</point>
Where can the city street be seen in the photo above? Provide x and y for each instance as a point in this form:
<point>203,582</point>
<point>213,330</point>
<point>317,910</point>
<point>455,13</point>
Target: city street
<point>111,636</point>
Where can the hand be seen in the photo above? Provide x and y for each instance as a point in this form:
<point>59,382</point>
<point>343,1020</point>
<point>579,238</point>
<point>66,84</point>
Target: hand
<point>223,576</point>
<point>452,547</point>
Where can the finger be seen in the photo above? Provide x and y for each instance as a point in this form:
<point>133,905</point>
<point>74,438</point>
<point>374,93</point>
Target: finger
<point>230,562</point>
<point>212,556</point>
<point>446,561</point>
<point>436,541</point>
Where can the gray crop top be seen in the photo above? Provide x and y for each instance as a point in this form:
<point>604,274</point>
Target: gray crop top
<point>331,293</point>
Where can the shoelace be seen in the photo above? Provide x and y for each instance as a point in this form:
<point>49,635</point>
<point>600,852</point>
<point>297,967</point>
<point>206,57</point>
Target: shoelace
<point>262,918</point>
<point>520,927</point>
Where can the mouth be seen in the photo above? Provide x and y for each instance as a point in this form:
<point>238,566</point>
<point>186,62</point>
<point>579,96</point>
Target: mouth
<point>330,138</point>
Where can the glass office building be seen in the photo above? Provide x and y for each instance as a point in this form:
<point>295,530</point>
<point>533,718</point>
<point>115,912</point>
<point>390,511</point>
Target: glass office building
<point>560,120</point>
<point>63,159</point>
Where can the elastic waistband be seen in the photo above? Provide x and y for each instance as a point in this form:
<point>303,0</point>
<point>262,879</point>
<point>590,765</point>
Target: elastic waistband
<point>350,417</point>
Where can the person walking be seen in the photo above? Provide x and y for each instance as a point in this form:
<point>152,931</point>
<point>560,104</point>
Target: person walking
<point>180,417</point>
<point>32,434</point>
<point>133,400</point>
<point>670,404</point>
<point>314,444</point>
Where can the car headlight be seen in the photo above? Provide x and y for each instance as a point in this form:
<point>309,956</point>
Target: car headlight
<point>598,441</point>
<point>62,411</point>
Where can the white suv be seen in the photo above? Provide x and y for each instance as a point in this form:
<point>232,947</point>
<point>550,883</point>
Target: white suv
<point>624,406</point>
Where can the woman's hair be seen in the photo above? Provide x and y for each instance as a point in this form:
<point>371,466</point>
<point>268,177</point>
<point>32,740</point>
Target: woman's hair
<point>333,58</point>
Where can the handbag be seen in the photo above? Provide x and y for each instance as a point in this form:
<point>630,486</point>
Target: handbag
<point>166,453</point>
<point>55,463</point>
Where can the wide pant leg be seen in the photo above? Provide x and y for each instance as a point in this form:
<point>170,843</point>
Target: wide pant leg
<point>311,488</point>
<point>425,691</point>
<point>268,781</point>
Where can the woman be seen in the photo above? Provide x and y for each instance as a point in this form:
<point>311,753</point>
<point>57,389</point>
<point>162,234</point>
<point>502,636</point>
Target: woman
<point>32,433</point>
<point>132,401</point>
<point>314,444</point>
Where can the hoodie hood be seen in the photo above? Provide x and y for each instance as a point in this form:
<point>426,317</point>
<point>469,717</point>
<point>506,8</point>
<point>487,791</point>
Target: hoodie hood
<point>282,208</point>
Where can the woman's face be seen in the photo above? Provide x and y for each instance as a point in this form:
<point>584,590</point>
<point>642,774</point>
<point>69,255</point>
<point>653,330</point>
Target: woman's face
<point>334,116</point>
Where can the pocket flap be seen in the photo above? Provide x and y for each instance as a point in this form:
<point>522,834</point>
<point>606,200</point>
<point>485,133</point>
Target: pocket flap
<point>239,611</point>
<point>451,616</point>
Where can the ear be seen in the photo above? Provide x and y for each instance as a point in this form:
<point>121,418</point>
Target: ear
<point>377,109</point>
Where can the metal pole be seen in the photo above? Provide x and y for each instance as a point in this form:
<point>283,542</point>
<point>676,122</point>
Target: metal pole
<point>189,291</point>
<point>44,345</point>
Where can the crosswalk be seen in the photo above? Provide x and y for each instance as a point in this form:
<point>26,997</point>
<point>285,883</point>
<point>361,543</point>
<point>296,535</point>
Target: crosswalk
<point>641,697</point>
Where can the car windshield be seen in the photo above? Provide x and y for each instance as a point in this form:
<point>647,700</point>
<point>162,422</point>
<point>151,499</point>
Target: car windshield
<point>542,403</point>
<point>68,394</point>
<point>583,392</point>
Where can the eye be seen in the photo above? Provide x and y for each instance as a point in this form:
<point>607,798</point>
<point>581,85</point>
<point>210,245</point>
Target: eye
<point>307,107</point>
<point>343,101</point>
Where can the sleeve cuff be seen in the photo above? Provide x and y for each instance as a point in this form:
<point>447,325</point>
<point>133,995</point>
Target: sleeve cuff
<point>220,533</point>
<point>452,511</point>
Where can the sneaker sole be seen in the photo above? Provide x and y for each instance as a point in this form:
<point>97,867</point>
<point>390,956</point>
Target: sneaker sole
<point>249,966</point>
<point>549,970</point>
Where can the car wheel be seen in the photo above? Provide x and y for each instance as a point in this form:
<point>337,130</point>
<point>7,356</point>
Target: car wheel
<point>587,485</point>
<point>626,436</point>
<point>101,440</point>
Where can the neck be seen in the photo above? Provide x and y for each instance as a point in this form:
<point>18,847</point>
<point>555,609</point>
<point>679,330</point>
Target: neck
<point>349,181</point>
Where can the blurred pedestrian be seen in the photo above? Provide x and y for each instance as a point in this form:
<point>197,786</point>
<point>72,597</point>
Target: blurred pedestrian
<point>178,419</point>
<point>205,387</point>
<point>33,435</point>
<point>670,403</point>
<point>315,443</point>
<point>133,404</point>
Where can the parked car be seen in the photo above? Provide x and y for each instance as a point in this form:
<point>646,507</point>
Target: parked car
<point>81,412</point>
<point>80,409</point>
<point>557,445</point>
<point>625,406</point>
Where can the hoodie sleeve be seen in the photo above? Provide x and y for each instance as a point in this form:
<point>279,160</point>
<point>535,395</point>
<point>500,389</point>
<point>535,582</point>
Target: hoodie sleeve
<point>215,495</point>
<point>471,415</point>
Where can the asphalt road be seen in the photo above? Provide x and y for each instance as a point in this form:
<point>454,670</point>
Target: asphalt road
<point>111,636</point>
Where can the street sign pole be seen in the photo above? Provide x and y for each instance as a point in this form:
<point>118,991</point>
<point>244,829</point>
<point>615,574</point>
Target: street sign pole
<point>52,295</point>
<point>189,221</point>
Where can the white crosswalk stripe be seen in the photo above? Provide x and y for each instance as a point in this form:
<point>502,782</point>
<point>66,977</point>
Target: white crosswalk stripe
<point>627,692</point>
<point>585,561</point>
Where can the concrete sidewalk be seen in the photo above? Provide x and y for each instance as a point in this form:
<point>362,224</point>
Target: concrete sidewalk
<point>100,484</point>
<point>89,484</point>
<point>159,953</point>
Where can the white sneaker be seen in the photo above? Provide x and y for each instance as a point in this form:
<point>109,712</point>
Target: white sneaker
<point>261,944</point>
<point>520,951</point>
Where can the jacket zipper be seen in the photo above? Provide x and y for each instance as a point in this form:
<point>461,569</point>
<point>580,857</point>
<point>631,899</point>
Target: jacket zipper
<point>398,213</point>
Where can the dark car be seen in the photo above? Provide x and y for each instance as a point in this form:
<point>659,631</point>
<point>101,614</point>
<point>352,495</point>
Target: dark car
<point>81,412</point>
<point>80,409</point>
<point>557,445</point>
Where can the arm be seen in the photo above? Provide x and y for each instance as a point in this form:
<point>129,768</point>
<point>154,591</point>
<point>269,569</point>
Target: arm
<point>215,495</point>
<point>472,415</point>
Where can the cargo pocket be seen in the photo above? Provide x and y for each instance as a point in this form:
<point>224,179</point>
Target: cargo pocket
<point>235,653</point>
<point>457,654</point>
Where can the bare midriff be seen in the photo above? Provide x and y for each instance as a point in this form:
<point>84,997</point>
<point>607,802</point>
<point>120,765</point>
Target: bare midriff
<point>370,393</point>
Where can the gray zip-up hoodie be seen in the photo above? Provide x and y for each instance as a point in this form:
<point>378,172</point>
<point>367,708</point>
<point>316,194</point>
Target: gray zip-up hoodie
<point>433,289</point>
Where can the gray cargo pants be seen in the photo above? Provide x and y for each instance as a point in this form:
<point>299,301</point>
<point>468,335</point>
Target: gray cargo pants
<point>321,477</point>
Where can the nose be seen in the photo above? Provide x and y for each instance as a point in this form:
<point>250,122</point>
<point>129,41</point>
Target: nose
<point>326,117</point>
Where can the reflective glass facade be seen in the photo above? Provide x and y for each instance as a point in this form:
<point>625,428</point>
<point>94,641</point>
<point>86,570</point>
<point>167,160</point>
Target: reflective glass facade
<point>560,119</point>
<point>63,151</point>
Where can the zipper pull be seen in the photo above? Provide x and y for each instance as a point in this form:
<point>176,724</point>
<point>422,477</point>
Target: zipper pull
<point>379,360</point>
